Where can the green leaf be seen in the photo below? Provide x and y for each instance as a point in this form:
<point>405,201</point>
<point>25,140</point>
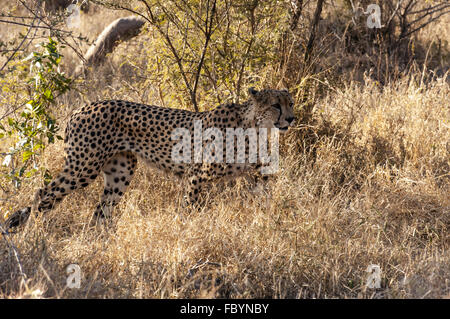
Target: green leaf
<point>48,94</point>
<point>30,172</point>
<point>26,155</point>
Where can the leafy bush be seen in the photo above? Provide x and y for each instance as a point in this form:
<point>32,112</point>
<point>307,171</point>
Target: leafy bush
<point>196,49</point>
<point>29,125</point>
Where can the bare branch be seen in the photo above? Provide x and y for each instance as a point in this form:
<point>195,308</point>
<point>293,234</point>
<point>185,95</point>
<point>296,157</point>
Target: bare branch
<point>208,28</point>
<point>35,26</point>
<point>429,12</point>
<point>312,33</point>
<point>423,25</point>
<point>296,13</point>
<point>19,46</point>
<point>394,13</point>
<point>439,6</point>
<point>51,28</point>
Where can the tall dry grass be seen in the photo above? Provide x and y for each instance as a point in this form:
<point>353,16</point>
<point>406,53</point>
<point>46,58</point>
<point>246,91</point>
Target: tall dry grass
<point>373,192</point>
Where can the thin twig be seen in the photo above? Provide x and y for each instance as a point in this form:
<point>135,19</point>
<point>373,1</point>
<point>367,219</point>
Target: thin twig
<point>205,48</point>
<point>18,47</point>
<point>423,25</point>
<point>79,54</point>
<point>36,26</point>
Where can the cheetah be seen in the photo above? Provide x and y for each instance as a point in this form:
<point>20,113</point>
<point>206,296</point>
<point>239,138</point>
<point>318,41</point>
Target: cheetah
<point>107,137</point>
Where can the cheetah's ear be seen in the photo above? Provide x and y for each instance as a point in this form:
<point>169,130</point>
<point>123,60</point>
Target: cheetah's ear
<point>252,91</point>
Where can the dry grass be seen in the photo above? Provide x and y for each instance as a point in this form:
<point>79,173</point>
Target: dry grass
<point>370,187</point>
<point>375,193</point>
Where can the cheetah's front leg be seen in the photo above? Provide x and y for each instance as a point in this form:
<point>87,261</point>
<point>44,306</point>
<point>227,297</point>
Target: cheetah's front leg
<point>208,173</point>
<point>193,190</point>
<point>117,172</point>
<point>257,180</point>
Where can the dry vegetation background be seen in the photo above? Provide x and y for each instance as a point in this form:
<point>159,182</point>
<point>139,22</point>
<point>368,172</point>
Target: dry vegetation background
<point>364,178</point>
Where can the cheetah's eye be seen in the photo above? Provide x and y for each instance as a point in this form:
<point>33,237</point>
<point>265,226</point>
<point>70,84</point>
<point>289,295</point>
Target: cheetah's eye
<point>277,106</point>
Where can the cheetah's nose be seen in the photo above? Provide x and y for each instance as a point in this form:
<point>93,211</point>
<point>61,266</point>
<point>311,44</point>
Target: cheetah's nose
<point>290,119</point>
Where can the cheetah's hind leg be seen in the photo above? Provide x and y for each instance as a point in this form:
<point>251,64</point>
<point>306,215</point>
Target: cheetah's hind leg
<point>46,197</point>
<point>117,173</point>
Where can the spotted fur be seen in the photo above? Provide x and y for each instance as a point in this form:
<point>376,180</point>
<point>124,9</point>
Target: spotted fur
<point>107,138</point>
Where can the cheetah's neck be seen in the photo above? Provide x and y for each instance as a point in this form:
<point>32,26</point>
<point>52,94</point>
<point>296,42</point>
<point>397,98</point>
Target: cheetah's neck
<point>247,114</point>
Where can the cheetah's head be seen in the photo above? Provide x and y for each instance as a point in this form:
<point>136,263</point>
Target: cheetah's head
<point>272,108</point>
